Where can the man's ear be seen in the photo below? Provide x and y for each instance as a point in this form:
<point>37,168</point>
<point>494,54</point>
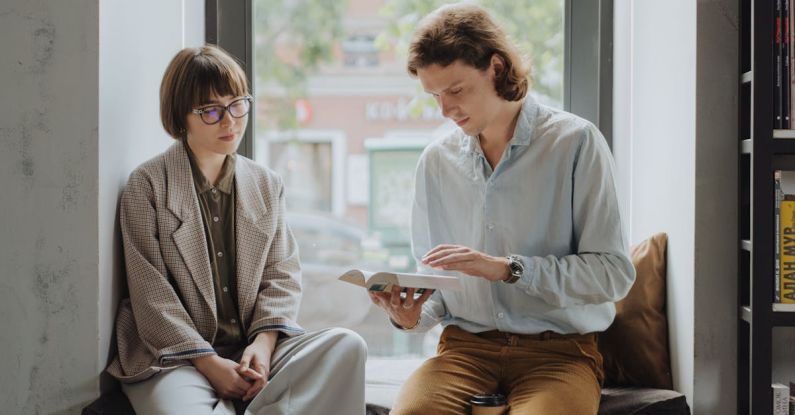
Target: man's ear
<point>497,65</point>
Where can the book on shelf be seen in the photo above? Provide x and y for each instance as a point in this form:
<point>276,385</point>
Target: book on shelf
<point>777,69</point>
<point>792,398</point>
<point>383,280</point>
<point>784,307</point>
<point>780,399</point>
<point>784,244</point>
<point>784,65</point>
<point>786,285</point>
<point>791,39</point>
<point>786,52</point>
<point>779,194</point>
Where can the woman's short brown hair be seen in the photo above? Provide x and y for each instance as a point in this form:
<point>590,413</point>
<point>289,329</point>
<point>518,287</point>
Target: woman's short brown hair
<point>193,75</point>
<point>466,32</point>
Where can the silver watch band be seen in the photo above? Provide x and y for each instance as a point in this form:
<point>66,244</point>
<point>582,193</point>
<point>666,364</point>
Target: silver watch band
<point>517,269</point>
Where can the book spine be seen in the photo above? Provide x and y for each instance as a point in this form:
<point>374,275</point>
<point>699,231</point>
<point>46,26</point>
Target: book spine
<point>791,39</point>
<point>778,121</point>
<point>777,263</point>
<point>780,399</point>
<point>787,250</point>
<point>785,73</point>
<point>791,398</point>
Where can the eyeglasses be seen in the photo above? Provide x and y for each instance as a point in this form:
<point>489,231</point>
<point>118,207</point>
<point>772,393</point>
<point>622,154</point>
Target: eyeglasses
<point>215,113</point>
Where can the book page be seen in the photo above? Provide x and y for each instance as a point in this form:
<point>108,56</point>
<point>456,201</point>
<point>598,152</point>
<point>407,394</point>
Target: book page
<point>383,281</point>
<point>356,277</point>
<point>788,182</point>
<point>428,281</point>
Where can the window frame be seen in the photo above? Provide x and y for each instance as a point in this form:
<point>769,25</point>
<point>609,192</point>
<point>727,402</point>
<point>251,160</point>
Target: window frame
<point>586,92</point>
<point>336,139</point>
<point>228,24</point>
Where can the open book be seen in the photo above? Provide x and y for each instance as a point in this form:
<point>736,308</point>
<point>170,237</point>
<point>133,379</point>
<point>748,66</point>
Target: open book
<point>383,281</point>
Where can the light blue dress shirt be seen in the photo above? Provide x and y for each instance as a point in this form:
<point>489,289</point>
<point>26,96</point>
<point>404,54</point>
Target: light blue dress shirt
<point>551,200</point>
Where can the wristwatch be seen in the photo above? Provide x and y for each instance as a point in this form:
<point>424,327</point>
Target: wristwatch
<point>517,269</point>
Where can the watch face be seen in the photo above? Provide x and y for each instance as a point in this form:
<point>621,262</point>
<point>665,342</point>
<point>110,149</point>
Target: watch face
<point>513,278</point>
<point>516,266</point>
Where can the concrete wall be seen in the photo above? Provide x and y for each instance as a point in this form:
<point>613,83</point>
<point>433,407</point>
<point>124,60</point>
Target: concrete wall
<point>78,111</point>
<point>131,65</point>
<point>716,225</point>
<point>656,129</point>
<point>48,173</point>
<point>676,148</point>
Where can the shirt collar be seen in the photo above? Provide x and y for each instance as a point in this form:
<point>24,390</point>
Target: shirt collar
<point>470,145</point>
<point>225,178</point>
<point>525,124</point>
<point>523,132</point>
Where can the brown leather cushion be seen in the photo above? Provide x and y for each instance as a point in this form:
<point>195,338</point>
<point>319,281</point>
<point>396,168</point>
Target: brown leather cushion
<point>635,346</point>
<point>632,401</point>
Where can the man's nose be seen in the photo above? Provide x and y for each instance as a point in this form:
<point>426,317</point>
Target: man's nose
<point>446,107</point>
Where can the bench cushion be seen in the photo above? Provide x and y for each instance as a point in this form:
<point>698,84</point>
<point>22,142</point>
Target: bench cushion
<point>635,346</point>
<point>620,401</point>
<point>116,403</point>
<point>384,377</point>
<point>615,401</point>
<point>642,401</point>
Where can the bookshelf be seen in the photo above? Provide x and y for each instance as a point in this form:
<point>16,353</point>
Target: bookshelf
<point>763,150</point>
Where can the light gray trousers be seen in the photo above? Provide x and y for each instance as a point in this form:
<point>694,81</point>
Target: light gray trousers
<point>316,373</point>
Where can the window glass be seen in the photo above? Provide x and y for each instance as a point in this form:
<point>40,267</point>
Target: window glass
<point>340,119</point>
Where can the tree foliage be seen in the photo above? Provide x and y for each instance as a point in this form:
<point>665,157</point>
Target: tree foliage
<point>535,26</point>
<point>292,39</point>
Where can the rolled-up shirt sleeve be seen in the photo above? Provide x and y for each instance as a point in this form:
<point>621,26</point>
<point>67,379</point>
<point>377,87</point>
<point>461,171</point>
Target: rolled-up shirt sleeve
<point>600,271</point>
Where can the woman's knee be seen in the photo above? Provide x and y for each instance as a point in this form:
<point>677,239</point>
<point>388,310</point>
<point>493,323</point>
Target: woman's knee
<point>349,343</point>
<point>181,389</point>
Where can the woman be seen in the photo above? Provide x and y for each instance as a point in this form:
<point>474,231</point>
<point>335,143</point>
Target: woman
<point>213,270</point>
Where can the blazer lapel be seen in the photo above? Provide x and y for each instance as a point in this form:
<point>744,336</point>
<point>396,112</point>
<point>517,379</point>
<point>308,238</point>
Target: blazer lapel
<point>251,238</point>
<point>189,237</point>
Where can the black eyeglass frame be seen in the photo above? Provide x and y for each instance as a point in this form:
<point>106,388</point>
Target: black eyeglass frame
<point>224,109</point>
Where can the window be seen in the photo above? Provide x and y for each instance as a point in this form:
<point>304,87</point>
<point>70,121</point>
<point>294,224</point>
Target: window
<point>360,51</point>
<point>340,119</point>
<point>311,163</point>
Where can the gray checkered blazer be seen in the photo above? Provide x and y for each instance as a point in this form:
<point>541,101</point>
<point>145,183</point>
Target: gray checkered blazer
<point>170,316</point>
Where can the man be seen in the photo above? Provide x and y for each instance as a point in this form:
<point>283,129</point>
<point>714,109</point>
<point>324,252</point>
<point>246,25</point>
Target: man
<point>521,202</point>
